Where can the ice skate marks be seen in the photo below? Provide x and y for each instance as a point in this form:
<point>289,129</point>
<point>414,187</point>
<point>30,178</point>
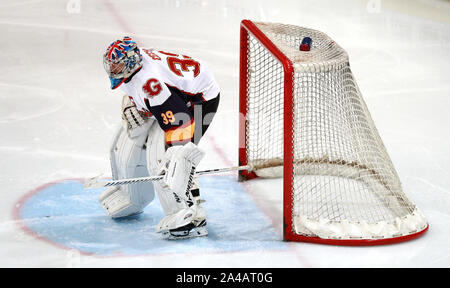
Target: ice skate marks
<point>65,214</point>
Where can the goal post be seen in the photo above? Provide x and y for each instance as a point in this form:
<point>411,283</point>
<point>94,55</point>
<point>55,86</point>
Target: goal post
<point>303,118</point>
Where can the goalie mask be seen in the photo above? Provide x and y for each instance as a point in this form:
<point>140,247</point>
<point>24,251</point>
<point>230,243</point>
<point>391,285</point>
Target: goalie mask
<point>121,59</point>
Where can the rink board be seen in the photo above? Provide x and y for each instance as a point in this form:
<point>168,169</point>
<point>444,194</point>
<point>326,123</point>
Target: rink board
<point>65,214</point>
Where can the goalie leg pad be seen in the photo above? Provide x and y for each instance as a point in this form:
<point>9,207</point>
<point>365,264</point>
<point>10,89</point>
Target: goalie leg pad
<point>128,160</point>
<point>179,176</point>
<point>185,218</point>
<point>118,203</point>
<point>156,159</point>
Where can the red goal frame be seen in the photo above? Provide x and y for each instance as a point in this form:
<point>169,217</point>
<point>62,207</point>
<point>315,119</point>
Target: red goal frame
<point>247,27</point>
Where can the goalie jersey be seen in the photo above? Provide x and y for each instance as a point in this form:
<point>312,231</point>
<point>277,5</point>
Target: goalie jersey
<point>167,87</point>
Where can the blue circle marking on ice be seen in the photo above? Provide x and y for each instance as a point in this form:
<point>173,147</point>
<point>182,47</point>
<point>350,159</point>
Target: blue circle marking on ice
<point>66,214</point>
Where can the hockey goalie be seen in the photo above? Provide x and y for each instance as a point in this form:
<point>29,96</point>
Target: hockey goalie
<point>170,100</point>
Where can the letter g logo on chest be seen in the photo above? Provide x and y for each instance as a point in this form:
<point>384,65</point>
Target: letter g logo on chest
<point>152,87</point>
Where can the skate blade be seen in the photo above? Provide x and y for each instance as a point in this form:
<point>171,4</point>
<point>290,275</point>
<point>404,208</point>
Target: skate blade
<point>195,232</point>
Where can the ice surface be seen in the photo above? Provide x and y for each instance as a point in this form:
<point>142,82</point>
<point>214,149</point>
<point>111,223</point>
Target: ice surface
<point>53,208</point>
<point>57,116</point>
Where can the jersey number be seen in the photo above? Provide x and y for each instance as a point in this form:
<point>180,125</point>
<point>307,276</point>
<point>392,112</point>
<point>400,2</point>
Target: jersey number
<point>176,63</point>
<point>168,117</point>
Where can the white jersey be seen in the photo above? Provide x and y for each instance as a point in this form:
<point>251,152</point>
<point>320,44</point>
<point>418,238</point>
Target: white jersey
<point>163,74</point>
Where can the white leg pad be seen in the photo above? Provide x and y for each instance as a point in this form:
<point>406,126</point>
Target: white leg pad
<point>118,203</point>
<point>156,152</point>
<point>128,160</point>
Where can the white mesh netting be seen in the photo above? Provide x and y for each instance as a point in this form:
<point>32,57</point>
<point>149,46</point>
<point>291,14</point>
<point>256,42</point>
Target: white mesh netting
<point>344,183</point>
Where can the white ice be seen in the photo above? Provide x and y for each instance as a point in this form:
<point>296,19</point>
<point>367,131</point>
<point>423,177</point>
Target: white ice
<point>57,113</point>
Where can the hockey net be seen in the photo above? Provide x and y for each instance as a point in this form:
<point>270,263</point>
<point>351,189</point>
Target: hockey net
<point>305,120</point>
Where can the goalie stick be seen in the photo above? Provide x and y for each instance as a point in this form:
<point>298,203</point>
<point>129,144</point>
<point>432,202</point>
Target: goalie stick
<point>93,182</point>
